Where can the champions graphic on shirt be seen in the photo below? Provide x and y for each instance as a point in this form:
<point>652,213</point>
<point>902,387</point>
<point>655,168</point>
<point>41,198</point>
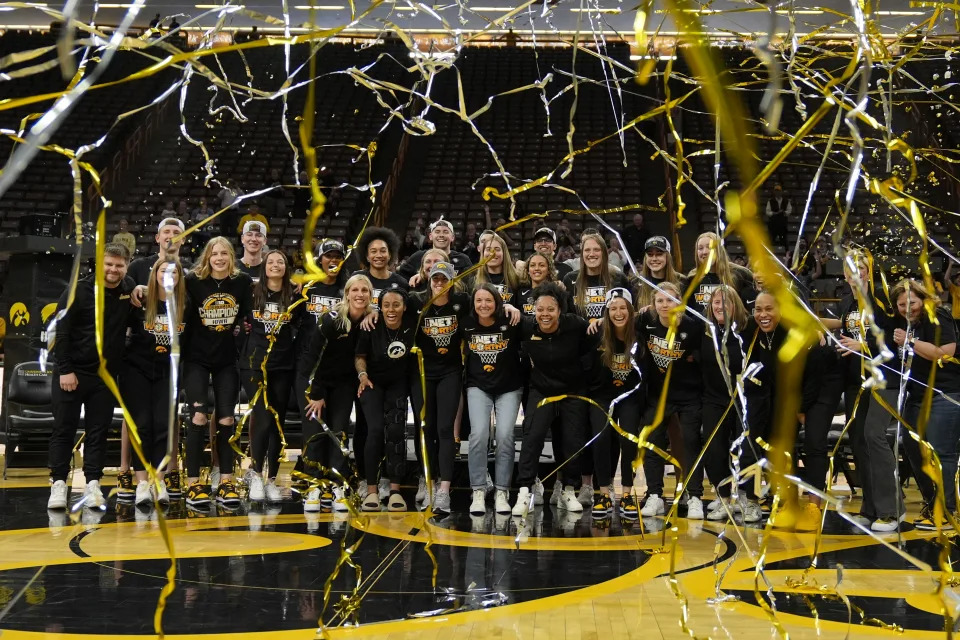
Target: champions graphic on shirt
<point>488,346</point>
<point>271,317</point>
<point>663,352</point>
<point>319,305</point>
<point>161,331</point>
<point>621,368</point>
<point>441,329</point>
<point>704,292</point>
<point>595,301</point>
<point>219,311</point>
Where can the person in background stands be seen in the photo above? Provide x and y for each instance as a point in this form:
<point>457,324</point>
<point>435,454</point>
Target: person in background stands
<point>778,208</point>
<point>168,229</point>
<point>635,238</point>
<point>253,215</point>
<point>77,381</point>
<point>441,237</point>
<point>545,242</point>
<point>124,237</point>
<point>469,245</point>
<point>228,203</point>
<point>254,239</point>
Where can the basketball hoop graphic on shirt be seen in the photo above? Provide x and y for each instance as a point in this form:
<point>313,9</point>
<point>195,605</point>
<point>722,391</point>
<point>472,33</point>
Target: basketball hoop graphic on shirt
<point>621,369</point>
<point>441,329</point>
<point>161,331</point>
<point>487,347</point>
<point>664,353</point>
<point>595,300</point>
<point>271,318</point>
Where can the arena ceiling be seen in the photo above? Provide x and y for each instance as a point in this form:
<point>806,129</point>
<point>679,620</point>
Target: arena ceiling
<point>735,18</point>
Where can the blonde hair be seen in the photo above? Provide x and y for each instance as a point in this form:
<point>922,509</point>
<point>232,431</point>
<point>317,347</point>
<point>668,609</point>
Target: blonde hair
<point>424,276</point>
<point>915,287</point>
<point>342,308</point>
<point>202,268</point>
<point>645,295</point>
<point>721,263</point>
<point>580,290</point>
<point>731,296</point>
<point>510,277</point>
<point>153,293</point>
<point>551,268</point>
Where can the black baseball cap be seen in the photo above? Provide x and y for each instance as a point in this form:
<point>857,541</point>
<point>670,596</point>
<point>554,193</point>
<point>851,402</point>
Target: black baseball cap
<point>329,246</point>
<point>657,242</point>
<point>545,231</point>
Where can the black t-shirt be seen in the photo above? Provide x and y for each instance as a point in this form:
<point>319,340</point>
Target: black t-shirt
<point>394,281</point>
<point>273,319</point>
<point>619,377</point>
<point>948,376</point>
<point>527,303</point>
<point>683,353</point>
<point>595,297</point>
<point>720,352</point>
<point>251,270</point>
<point>332,349</point>
<point>508,293</point>
<point>764,349</point>
<point>387,351</point>
<point>493,356</point>
<point>139,269</point>
<point>217,307</point>
<point>850,326</point>
<point>149,347</point>
<point>410,266</point>
<point>439,336</point>
<point>321,298</point>
<point>559,359</point>
<point>743,283</point>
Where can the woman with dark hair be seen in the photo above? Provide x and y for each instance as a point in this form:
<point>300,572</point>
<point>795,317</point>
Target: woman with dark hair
<point>494,386</point>
<point>377,251</point>
<point>273,295</point>
<point>538,269</point>
<point>616,376</point>
<point>384,367</point>
<point>145,383</point>
<point>921,343</point>
<point>219,299</point>
<point>560,351</point>
<point>683,397</point>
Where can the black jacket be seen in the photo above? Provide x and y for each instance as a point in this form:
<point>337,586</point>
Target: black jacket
<point>75,348</point>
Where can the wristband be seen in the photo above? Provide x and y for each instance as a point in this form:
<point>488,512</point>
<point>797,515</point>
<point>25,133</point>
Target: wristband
<point>361,375</point>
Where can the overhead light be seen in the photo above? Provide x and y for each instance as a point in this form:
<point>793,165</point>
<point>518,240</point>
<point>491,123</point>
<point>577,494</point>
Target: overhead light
<point>611,10</point>
<point>321,7</point>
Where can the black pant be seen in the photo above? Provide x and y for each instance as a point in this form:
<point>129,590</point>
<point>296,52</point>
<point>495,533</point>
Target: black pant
<point>777,227</point>
<point>98,404</point>
<point>264,434</point>
<point>816,449</point>
<point>759,417</point>
<point>876,464</point>
<point>627,413</point>
<point>717,457</point>
<point>319,447</point>
<point>360,438</point>
<point>148,401</point>
<point>573,415</point>
<point>385,408</point>
<point>609,444</point>
<point>226,390</point>
<point>443,400</point>
<point>688,417</point>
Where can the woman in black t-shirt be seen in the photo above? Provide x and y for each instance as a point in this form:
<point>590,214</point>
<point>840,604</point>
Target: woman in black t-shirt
<point>384,364</point>
<point>145,383</point>
<point>921,343</point>
<point>722,271</point>
<point>499,269</point>
<point>538,269</point>
<point>272,322</point>
<point>657,267</point>
<point>494,385</point>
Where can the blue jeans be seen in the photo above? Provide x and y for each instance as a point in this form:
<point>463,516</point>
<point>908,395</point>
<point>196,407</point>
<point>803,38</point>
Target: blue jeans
<point>506,407</point>
<point>943,434</point>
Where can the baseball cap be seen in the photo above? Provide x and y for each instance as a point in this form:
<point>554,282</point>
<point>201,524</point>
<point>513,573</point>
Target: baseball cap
<point>545,231</point>
<point>442,223</point>
<point>443,268</point>
<point>618,292</point>
<point>168,222</point>
<point>657,242</point>
<point>255,226</point>
<point>329,246</point>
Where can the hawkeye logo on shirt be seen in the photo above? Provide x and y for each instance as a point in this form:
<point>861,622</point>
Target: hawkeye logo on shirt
<point>161,331</point>
<point>488,346</point>
<point>271,317</point>
<point>595,300</point>
<point>219,311</point>
<point>319,305</point>
<point>441,329</point>
<point>505,293</point>
<point>703,294</point>
<point>664,353</point>
<point>621,368</point>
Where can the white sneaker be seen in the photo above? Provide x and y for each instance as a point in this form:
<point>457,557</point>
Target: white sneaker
<point>502,503</point>
<point>272,492</point>
<point>58,495</point>
<point>421,489</point>
<point>144,494</point>
<point>164,496</point>
<point>586,495</point>
<point>538,492</point>
<point>886,525</point>
<point>488,487</point>
<point>713,505</point>
<point>557,490</point>
<point>695,508</point>
<point>479,504</point>
<point>719,513</point>
<point>441,501</point>
<point>383,489</point>
<point>311,503</point>
<point>340,500</point>
<point>862,520</point>
<point>522,503</point>
<point>654,506</point>
<point>254,485</point>
<point>569,500</point>
<point>93,496</point>
<point>751,512</point>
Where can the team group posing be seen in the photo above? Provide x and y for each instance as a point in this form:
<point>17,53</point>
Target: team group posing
<point>533,334</point>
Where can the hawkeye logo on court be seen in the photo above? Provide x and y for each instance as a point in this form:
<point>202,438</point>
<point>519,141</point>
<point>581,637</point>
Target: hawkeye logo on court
<point>319,305</point>
<point>702,296</point>
<point>487,346</point>
<point>219,311</point>
<point>441,329</point>
<point>664,353</point>
<point>160,329</point>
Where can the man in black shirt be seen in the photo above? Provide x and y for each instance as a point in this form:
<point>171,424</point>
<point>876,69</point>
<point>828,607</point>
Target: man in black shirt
<point>254,238</point>
<point>635,237</point>
<point>169,228</point>
<point>545,242</point>
<point>441,237</point>
<point>77,383</point>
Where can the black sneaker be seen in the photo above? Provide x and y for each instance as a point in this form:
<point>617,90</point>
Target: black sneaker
<point>172,480</point>
<point>628,507</point>
<point>126,492</point>
<point>198,495</point>
<point>602,505</point>
<point>227,495</point>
